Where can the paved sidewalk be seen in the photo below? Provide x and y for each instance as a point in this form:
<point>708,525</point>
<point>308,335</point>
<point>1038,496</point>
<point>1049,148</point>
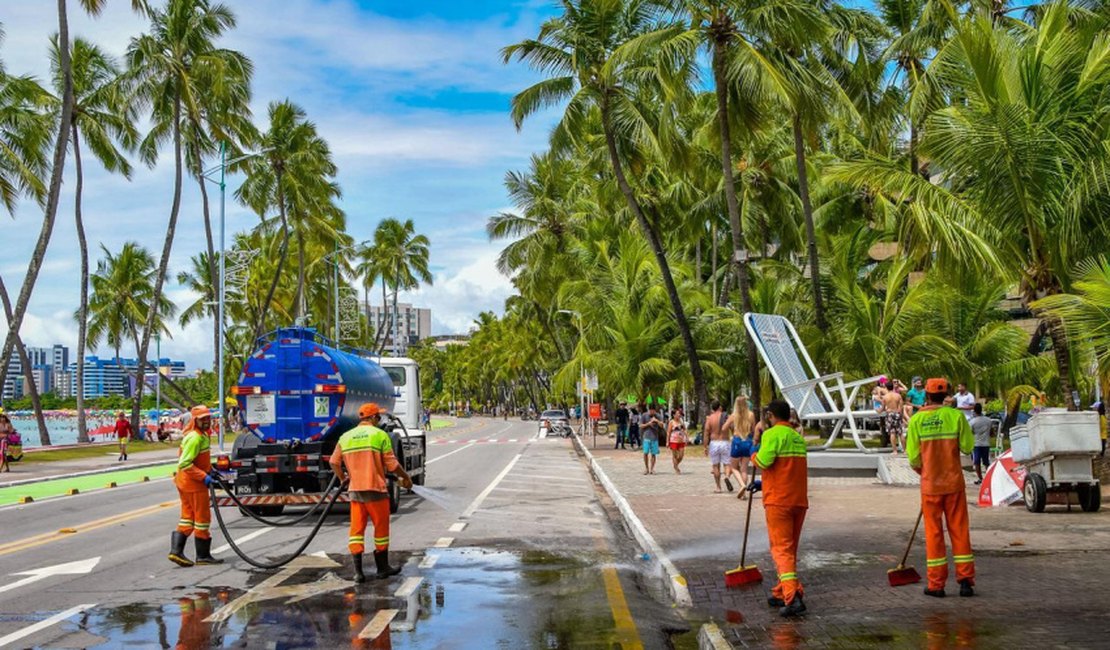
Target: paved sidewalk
<point>25,471</point>
<point>1042,577</point>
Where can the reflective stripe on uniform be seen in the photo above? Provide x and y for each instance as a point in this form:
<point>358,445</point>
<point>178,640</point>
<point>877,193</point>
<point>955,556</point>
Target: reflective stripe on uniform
<point>788,576</point>
<point>963,559</point>
<point>940,561</point>
<point>381,540</point>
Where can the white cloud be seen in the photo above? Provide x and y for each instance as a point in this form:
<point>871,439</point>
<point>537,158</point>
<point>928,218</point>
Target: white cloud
<point>457,296</point>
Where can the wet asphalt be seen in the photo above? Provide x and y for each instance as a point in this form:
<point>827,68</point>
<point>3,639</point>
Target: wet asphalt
<point>511,546</point>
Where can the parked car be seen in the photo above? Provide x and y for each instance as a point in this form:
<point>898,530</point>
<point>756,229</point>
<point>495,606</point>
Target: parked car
<point>553,422</point>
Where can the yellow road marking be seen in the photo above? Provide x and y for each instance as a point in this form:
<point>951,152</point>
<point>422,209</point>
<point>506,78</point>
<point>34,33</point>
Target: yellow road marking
<point>626,627</point>
<point>46,538</point>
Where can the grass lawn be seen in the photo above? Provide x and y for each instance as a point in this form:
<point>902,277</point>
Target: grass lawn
<point>441,424</point>
<point>59,487</point>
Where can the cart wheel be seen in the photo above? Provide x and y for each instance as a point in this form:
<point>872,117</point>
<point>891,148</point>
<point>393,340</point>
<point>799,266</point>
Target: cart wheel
<point>1035,492</point>
<point>1090,497</point>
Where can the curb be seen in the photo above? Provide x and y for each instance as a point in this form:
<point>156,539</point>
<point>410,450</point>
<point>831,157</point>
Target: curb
<point>710,637</point>
<point>93,472</point>
<point>676,584</point>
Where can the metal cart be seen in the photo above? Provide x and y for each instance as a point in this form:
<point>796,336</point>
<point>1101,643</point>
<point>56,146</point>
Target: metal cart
<point>1057,449</point>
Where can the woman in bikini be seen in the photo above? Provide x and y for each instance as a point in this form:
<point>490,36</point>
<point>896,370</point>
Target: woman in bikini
<point>676,438</point>
<point>740,423</point>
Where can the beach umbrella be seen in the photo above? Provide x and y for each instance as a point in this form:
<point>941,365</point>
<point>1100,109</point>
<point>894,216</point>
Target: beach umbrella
<point>1002,483</point>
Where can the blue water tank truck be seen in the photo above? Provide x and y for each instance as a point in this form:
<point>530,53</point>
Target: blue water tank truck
<point>297,394</point>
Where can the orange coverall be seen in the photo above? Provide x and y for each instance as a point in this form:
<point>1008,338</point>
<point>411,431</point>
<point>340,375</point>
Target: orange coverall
<point>368,453</point>
<point>782,457</point>
<point>935,438</point>
<point>193,462</point>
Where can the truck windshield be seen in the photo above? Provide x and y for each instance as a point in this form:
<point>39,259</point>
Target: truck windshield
<point>397,374</point>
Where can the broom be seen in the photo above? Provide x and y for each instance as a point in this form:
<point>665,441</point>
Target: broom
<point>744,575</point>
<point>902,574</point>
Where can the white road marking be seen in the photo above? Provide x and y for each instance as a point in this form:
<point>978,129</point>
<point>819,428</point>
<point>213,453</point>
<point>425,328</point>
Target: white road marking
<point>43,624</point>
<point>378,624</point>
<point>239,542</point>
<point>477,503</point>
<point>457,527</point>
<point>429,561</point>
<point>443,542</point>
<point>439,458</point>
<point>69,568</point>
<point>408,587</point>
<point>258,591</point>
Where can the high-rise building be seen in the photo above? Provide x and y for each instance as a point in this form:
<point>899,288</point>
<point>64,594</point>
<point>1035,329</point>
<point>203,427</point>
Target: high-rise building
<point>113,376</point>
<point>13,384</point>
<point>413,324</point>
<point>59,357</point>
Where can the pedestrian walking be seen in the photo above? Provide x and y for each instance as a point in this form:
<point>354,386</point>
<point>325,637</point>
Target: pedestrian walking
<point>621,416</point>
<point>981,452</point>
<point>122,429</point>
<point>965,401</point>
<point>361,460</point>
<point>677,438</point>
<point>1103,427</point>
<point>740,425</point>
<point>893,412</point>
<point>937,435</point>
<point>716,445</point>
<point>6,430</point>
<point>782,458</point>
<point>193,476</point>
<point>651,427</point>
<point>634,426</point>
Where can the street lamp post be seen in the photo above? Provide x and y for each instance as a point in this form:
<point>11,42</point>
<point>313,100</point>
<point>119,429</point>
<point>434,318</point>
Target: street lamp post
<point>335,254</point>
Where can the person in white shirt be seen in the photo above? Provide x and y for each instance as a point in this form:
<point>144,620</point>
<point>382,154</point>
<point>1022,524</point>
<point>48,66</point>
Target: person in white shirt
<point>965,401</point>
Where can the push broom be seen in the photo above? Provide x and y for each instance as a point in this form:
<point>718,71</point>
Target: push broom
<point>744,575</point>
<point>902,574</point>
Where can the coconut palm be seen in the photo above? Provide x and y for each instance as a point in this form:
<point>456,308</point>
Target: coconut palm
<point>106,122</point>
<point>25,361</point>
<point>402,256</point>
<point>578,53</point>
<point>294,176</point>
<point>172,69</point>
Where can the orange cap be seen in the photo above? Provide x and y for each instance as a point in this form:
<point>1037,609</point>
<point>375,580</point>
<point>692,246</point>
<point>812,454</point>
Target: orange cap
<point>368,410</point>
<point>936,385</point>
<point>200,411</point>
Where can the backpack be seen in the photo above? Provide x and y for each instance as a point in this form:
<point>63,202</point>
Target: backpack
<point>15,447</point>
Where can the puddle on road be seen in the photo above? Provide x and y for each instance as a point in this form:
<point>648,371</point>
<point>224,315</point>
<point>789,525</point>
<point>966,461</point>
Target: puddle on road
<point>471,598</point>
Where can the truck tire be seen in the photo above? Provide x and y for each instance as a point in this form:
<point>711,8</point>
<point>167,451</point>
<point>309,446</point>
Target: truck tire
<point>1035,492</point>
<point>241,449</point>
<point>1090,497</point>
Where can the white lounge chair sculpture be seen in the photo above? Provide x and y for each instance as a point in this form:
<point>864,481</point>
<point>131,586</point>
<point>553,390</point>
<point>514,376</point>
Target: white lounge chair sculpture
<point>825,398</point>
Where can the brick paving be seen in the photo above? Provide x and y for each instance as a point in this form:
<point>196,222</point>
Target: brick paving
<point>1042,577</point>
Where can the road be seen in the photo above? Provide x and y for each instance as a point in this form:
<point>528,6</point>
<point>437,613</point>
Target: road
<point>513,547</point>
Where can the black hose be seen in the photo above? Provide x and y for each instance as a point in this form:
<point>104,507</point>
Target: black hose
<point>278,524</point>
<point>272,565</point>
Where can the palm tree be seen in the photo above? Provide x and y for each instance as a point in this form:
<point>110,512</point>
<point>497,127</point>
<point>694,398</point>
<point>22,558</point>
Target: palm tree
<point>123,295</point>
<point>402,256</point>
<point>294,175</point>
<point>25,361</point>
<point>102,115</point>
<point>578,52</point>
<point>173,69</point>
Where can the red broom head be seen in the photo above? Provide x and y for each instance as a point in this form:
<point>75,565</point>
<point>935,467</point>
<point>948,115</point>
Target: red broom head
<point>742,575</point>
<point>903,576</point>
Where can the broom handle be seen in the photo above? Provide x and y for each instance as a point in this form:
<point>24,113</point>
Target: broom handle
<point>912,535</point>
<point>747,523</point>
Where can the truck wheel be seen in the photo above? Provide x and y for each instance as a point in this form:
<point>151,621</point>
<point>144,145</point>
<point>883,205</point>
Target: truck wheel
<point>394,488</point>
<point>1090,497</point>
<point>419,478</point>
<point>1035,492</point>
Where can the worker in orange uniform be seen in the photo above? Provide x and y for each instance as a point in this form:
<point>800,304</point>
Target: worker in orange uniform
<point>782,457</point>
<point>194,475</point>
<point>937,435</point>
<point>367,453</point>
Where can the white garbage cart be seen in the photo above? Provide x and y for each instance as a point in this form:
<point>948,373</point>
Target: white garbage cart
<point>1058,448</point>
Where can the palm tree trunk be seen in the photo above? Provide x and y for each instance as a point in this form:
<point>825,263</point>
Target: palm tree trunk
<point>28,371</point>
<point>283,253</point>
<point>739,251</point>
<point>379,335</point>
<point>163,265</point>
<point>811,236</point>
<point>53,193</point>
<point>83,308</point>
<point>713,261</point>
<point>1061,350</point>
<point>298,297</point>
<point>664,266</point>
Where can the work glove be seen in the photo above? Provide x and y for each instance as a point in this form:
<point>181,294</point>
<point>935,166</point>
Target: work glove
<point>755,486</point>
<point>208,479</point>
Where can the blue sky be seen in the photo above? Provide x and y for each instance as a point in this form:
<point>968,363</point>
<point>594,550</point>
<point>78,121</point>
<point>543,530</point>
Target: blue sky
<point>412,96</point>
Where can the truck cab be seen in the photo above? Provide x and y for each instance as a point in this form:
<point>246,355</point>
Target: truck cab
<point>407,401</point>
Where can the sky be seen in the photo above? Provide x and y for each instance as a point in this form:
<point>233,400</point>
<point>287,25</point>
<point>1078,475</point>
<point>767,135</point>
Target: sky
<point>412,97</point>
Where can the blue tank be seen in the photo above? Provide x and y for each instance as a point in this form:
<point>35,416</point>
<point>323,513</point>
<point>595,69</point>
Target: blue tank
<point>295,387</point>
